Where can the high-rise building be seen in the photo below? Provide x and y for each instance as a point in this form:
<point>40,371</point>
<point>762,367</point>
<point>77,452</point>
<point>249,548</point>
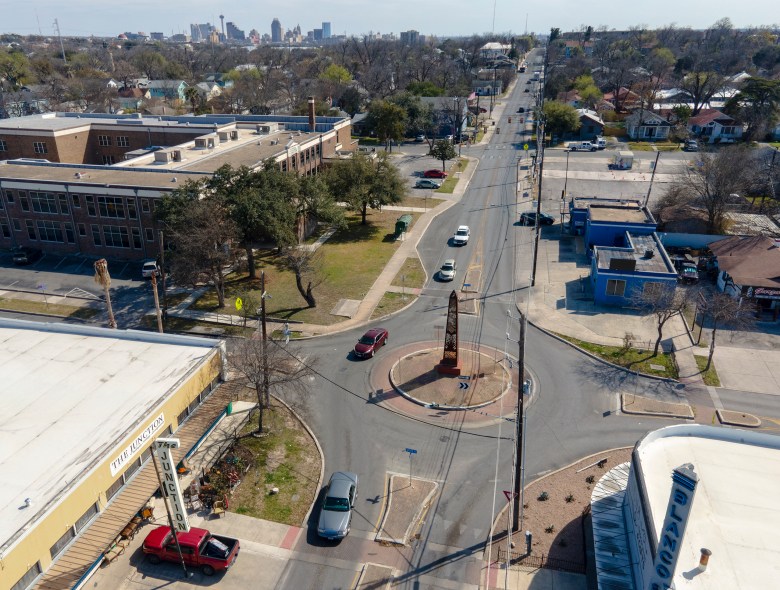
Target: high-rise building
<point>317,34</point>
<point>200,32</point>
<point>157,36</point>
<point>410,37</point>
<point>277,32</point>
<point>234,33</point>
<point>326,30</point>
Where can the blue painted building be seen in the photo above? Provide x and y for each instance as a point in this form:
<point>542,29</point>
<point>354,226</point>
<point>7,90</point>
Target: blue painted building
<point>626,254</point>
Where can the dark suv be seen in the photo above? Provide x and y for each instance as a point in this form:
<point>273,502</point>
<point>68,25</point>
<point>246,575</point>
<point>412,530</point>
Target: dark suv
<point>26,255</point>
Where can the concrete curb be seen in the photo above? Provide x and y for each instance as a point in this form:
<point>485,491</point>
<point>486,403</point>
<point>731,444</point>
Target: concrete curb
<point>41,314</point>
<point>659,413</point>
<point>367,565</point>
<point>417,516</point>
<point>732,418</point>
<point>446,407</point>
<point>598,358</point>
<point>319,449</point>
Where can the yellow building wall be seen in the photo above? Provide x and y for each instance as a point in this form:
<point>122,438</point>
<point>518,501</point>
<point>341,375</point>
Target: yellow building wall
<point>36,544</point>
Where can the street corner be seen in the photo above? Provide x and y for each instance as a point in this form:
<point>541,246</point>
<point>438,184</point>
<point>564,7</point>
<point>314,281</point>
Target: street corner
<point>407,500</point>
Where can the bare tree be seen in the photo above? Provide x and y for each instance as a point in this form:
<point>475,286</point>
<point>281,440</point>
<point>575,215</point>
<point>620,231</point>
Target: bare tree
<point>306,265</point>
<point>725,311</point>
<point>712,179</point>
<point>270,366</point>
<point>663,301</point>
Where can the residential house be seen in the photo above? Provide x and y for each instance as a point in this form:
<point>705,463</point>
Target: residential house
<point>494,50</point>
<point>208,90</point>
<point>132,98</point>
<point>647,125</point>
<point>749,268</point>
<point>627,99</point>
<point>713,126</point>
<point>167,89</point>
<point>571,48</point>
<point>450,114</point>
<point>591,125</point>
<point>571,98</point>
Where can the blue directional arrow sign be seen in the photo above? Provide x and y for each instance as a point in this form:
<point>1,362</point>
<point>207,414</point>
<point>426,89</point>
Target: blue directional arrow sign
<point>467,284</point>
<point>411,451</point>
<point>463,385</point>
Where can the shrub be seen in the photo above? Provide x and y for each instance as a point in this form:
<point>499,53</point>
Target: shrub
<point>590,479</point>
<point>570,498</point>
<point>543,497</point>
<point>550,529</point>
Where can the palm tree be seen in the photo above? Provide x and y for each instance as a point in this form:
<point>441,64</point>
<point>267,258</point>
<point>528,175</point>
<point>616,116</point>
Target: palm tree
<point>103,279</point>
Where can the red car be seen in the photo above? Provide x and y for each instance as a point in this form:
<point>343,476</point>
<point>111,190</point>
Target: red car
<point>370,342</point>
<point>434,174</point>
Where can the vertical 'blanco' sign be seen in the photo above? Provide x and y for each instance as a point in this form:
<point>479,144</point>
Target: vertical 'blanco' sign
<point>684,480</point>
<point>170,482</point>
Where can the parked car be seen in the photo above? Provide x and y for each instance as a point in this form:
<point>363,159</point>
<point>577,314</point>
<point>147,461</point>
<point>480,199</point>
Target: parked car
<point>449,138</point>
<point>150,268</point>
<point>427,183</point>
<point>337,503</point>
<point>26,255</point>
<point>688,273</point>
<point>461,237</point>
<point>581,146</point>
<point>529,218</point>
<point>528,81</point>
<point>521,110</point>
<point>447,270</point>
<point>526,90</point>
<point>200,549</point>
<point>691,145</point>
<point>370,342</point>
<point>419,138</point>
<point>435,174</point>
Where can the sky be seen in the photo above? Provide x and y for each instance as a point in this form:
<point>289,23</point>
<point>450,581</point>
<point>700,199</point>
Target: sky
<point>354,17</point>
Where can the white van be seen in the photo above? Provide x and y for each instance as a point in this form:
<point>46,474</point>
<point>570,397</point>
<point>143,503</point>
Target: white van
<point>600,143</point>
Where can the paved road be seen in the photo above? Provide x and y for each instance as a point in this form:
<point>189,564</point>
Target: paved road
<point>573,413</point>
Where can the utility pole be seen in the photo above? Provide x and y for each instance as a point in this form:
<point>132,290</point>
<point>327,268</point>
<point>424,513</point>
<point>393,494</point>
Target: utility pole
<point>266,380</point>
<point>162,276</point>
<point>62,47</point>
<point>652,176</point>
<point>157,303</point>
<point>517,506</point>
<point>540,142</point>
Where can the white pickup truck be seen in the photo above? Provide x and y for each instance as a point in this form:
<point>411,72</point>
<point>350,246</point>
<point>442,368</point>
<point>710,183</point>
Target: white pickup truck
<point>582,146</point>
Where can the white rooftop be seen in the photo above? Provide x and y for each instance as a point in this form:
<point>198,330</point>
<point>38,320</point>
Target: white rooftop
<point>69,394</point>
<point>735,512</point>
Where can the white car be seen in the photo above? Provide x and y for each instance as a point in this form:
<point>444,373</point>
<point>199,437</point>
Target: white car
<point>447,270</point>
<point>150,268</point>
<point>461,237</point>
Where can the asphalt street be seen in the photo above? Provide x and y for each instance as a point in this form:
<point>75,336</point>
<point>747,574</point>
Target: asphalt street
<point>573,412</point>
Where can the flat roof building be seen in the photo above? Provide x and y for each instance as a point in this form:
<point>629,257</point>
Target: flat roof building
<point>730,503</point>
<point>80,407</point>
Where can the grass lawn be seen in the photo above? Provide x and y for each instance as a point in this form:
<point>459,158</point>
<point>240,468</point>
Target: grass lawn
<point>55,309</point>
<point>285,458</point>
<point>390,303</point>
<point>418,202</point>
<point>632,359</point>
<point>661,146</point>
<point>367,140</point>
<point>175,298</point>
<point>448,186</point>
<point>711,376</point>
<point>413,272</point>
<point>182,325</point>
<point>350,262</point>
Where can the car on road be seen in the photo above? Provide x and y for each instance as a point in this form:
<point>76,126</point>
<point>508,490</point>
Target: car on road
<point>528,81</point>
<point>582,146</point>
<point>150,268</point>
<point>447,270</point>
<point>461,237</point>
<point>691,145</point>
<point>529,218</point>
<point>526,90</point>
<point>370,342</point>
<point>25,255</point>
<point>427,183</point>
<point>434,173</point>
<point>419,138</point>
<point>521,110</point>
<point>337,504</point>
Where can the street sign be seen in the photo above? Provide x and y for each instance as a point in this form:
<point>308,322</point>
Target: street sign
<point>463,385</point>
<point>239,303</point>
<point>525,146</point>
<point>411,451</point>
<point>467,284</point>
<point>509,495</point>
<point>464,377</point>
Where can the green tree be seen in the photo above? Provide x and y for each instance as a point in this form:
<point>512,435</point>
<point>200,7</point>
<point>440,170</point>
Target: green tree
<point>560,118</point>
<point>351,100</point>
<point>426,88</point>
<point>419,115</point>
<point>443,150</point>
<point>756,104</point>
<point>364,183</point>
<point>388,121</point>
<point>555,32</point>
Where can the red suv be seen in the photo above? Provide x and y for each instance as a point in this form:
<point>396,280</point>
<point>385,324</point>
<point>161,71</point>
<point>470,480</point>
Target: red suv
<point>434,174</point>
<point>370,342</point>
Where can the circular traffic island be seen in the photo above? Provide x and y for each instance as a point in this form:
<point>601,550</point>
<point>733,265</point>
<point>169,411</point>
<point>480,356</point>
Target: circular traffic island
<point>483,379</point>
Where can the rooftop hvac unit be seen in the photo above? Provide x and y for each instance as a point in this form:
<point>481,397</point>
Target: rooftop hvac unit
<point>649,253</point>
<point>200,143</point>
<point>234,134</point>
<point>223,136</point>
<point>176,155</point>
<point>162,156</point>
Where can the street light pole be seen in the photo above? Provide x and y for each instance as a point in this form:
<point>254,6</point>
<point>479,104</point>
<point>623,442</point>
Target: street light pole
<point>566,179</point>
<point>266,380</point>
<point>517,506</point>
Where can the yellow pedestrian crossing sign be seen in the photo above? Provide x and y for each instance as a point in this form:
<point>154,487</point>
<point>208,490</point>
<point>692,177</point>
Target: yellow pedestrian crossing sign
<point>525,146</point>
<point>239,303</point>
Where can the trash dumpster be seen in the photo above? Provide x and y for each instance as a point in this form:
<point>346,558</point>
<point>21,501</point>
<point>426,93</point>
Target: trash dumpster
<point>402,224</point>
<point>623,160</point>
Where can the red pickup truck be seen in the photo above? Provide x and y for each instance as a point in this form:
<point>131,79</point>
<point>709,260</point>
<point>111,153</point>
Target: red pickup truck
<point>200,549</point>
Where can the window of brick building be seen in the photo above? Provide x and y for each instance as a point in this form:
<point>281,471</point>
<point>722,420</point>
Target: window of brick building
<point>9,196</point>
<point>91,205</point>
<point>104,140</point>
<point>70,236</point>
<point>149,234</point>
<point>24,202</point>
<point>39,147</point>
<point>49,231</point>
<point>123,141</point>
<point>43,202</point>
<point>116,236</point>
<point>131,210</point>
<point>3,146</point>
<point>136,238</point>
<point>82,230</point>
<point>17,225</point>
<point>145,205</point>
<point>108,160</point>
<point>96,236</point>
<point>63,203</point>
<point>111,207</point>
<point>30,229</point>
<point>76,201</point>
<point>5,229</point>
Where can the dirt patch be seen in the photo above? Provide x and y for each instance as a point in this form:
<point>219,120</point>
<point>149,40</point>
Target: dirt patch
<point>554,508</point>
<point>406,504</point>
